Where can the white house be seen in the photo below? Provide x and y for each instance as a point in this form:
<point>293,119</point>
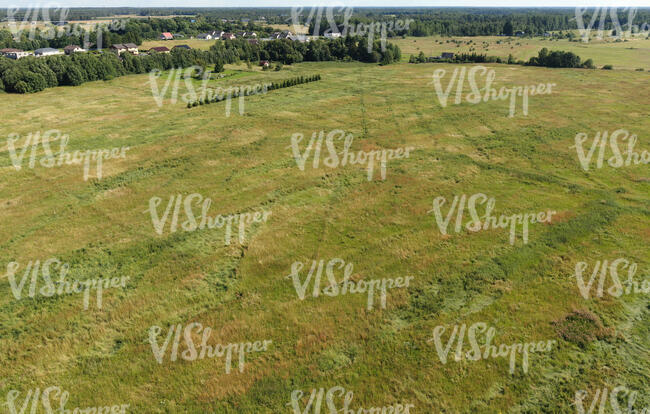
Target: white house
<point>68,50</point>
<point>14,53</point>
<point>47,51</point>
<point>299,38</point>
<point>131,47</point>
<point>126,47</point>
<point>332,35</point>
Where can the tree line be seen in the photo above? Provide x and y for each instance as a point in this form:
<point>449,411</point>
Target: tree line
<point>32,74</point>
<point>554,59</point>
<point>350,48</point>
<point>237,92</point>
<point>481,21</point>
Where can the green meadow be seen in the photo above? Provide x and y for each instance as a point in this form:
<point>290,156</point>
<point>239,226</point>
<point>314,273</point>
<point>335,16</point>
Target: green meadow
<point>385,228</point>
<point>632,53</point>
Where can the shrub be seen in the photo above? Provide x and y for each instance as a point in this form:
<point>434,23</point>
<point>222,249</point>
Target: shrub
<point>556,59</point>
<point>582,327</point>
<point>608,67</point>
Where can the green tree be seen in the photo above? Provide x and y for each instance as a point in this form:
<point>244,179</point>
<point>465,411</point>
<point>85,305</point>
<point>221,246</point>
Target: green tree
<point>508,28</point>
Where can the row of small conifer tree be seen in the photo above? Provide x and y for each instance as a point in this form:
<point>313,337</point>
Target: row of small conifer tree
<point>273,86</point>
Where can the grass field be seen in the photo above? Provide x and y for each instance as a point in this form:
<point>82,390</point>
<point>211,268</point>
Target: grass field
<point>633,54</point>
<point>294,28</point>
<point>383,227</point>
<point>193,43</point>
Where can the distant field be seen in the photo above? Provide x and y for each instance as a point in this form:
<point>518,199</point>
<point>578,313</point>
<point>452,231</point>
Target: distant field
<point>632,54</point>
<point>384,227</point>
<point>289,27</point>
<point>193,43</point>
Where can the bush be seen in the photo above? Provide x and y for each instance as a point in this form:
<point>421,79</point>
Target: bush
<point>557,59</point>
<point>608,67</point>
<point>278,67</point>
<point>582,327</point>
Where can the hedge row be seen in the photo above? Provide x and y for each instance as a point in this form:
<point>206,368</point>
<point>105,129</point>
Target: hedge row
<point>273,86</point>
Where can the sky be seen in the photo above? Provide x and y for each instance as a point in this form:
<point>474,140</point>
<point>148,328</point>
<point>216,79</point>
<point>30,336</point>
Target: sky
<point>310,3</point>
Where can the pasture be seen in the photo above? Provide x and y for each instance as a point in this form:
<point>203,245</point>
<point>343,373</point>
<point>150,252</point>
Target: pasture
<point>632,54</point>
<point>384,227</point>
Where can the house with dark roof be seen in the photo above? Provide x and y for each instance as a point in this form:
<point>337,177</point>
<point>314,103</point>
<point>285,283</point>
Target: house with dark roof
<point>204,36</point>
<point>447,55</point>
<point>228,36</point>
<point>159,49</point>
<point>181,47</point>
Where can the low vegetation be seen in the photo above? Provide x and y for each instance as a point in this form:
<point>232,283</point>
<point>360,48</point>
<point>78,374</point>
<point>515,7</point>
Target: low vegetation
<point>243,91</point>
